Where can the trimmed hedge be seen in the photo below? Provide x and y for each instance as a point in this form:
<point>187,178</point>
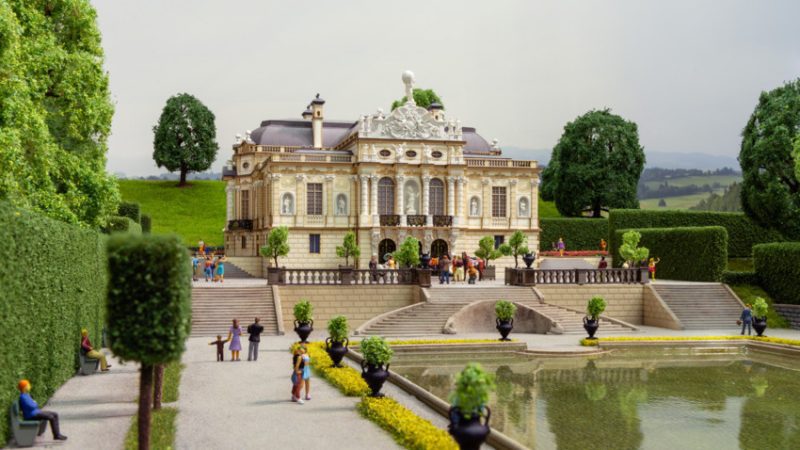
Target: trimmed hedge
<point>739,277</point>
<point>778,269</point>
<point>578,234</point>
<point>54,284</point>
<point>742,232</point>
<point>130,210</point>
<point>686,253</point>
<point>147,224</point>
<point>120,224</point>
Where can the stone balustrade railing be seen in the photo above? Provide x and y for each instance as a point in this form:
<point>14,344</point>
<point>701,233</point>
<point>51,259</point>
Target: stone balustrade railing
<point>493,162</point>
<point>298,157</point>
<point>349,276</point>
<point>532,277</point>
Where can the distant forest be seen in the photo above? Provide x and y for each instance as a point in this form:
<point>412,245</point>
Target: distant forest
<point>729,201</point>
<point>665,189</point>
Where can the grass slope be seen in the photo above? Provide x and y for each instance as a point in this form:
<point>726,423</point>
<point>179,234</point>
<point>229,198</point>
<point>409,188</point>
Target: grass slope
<point>680,202</point>
<point>547,209</point>
<point>195,212</point>
<point>723,180</point>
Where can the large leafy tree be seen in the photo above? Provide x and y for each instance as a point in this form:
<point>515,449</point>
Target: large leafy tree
<point>770,185</point>
<point>422,97</point>
<point>185,137</point>
<point>55,111</point>
<point>599,162</point>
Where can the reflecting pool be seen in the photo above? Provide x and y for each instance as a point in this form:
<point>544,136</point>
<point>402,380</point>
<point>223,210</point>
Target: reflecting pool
<point>665,398</point>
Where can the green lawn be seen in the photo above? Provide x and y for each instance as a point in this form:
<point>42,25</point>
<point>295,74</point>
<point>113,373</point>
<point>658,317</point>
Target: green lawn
<point>681,202</point>
<point>547,209</point>
<point>723,180</point>
<point>741,264</point>
<point>748,293</point>
<point>195,212</point>
<point>162,430</point>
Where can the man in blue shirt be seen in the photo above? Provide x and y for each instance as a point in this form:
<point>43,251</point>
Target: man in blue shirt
<point>31,411</point>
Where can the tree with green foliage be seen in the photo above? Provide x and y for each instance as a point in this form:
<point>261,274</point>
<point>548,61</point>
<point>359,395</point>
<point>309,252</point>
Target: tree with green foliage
<point>770,185</point>
<point>408,253</point>
<point>149,308</point>
<point>630,250</point>
<point>277,244</point>
<point>729,201</point>
<point>349,248</point>
<point>422,97</point>
<point>599,162</point>
<point>548,188</point>
<point>55,112</point>
<point>185,137</point>
<point>517,245</point>
<point>486,249</point>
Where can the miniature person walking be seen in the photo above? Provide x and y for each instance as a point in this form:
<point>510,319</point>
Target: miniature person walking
<point>220,347</point>
<point>747,319</point>
<point>234,334</point>
<point>651,267</point>
<point>298,365</point>
<point>89,351</point>
<point>254,330</point>
<point>31,411</point>
<point>561,246</point>
<point>307,373</point>
<point>444,270</point>
<point>603,263</point>
<point>603,245</point>
<point>220,270</point>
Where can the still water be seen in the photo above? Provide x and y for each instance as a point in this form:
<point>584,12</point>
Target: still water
<point>672,398</point>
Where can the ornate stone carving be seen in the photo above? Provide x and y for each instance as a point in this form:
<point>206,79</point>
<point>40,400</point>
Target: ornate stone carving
<point>330,177</point>
<point>300,177</point>
<point>512,182</point>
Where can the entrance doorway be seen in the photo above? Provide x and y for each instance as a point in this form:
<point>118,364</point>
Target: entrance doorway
<point>385,247</point>
<point>438,248</point>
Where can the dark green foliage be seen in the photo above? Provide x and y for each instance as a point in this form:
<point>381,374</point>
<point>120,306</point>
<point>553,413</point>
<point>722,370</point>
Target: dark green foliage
<point>149,301</point>
<point>548,188</point>
<point>185,137</point>
<point>662,203</point>
<point>736,277</point>
<point>422,97</point>
<point>130,210</point>
<point>686,253</point>
<point>147,224</point>
<point>54,284</point>
<point>578,234</point>
<point>729,201</point>
<point>778,269</point>
<point>770,186</point>
<point>599,164</point>
<point>743,233</point>
<point>119,224</point>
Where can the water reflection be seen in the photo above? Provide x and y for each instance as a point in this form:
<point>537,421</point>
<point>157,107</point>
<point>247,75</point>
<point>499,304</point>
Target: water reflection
<point>634,399</point>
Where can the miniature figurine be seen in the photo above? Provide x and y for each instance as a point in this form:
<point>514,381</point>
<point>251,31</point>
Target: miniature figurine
<point>220,347</point>
<point>31,411</point>
<point>651,267</point>
<point>89,351</point>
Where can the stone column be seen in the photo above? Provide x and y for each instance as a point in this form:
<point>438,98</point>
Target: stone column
<point>374,203</point>
<point>329,209</point>
<point>300,200</point>
<point>512,199</point>
<point>426,198</point>
<point>364,206</point>
<point>256,204</point>
<point>451,196</point>
<point>237,201</point>
<point>276,198</point>
<point>230,203</point>
<point>486,202</point>
<point>401,210</point>
<point>460,201</point>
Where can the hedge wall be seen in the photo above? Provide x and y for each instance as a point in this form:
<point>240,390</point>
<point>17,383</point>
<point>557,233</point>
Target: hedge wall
<point>120,224</point>
<point>736,277</point>
<point>578,234</point>
<point>54,283</point>
<point>147,224</point>
<point>686,253</point>
<point>778,269</point>
<point>742,232</point>
<point>130,210</point>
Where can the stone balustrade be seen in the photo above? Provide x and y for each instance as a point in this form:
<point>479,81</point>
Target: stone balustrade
<point>532,277</point>
<point>349,276</point>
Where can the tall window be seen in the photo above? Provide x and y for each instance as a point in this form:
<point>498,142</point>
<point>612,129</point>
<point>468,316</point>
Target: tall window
<point>245,201</point>
<point>498,201</point>
<point>499,240</point>
<point>437,197</point>
<point>314,199</point>
<point>385,196</point>
<point>313,243</point>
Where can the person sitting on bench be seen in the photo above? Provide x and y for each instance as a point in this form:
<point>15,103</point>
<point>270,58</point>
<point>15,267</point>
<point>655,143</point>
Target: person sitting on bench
<point>88,351</point>
<point>31,411</point>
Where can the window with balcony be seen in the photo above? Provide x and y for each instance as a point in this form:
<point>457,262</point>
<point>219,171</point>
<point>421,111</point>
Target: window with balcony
<point>314,199</point>
<point>385,196</point>
<point>245,204</point>
<point>498,201</point>
<point>436,197</point>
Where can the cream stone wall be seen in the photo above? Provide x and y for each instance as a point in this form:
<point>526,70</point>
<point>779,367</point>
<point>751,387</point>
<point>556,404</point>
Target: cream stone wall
<point>357,303</point>
<point>625,301</point>
<point>656,313</point>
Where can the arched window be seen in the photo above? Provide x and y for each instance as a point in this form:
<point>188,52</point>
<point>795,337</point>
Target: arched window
<point>385,196</point>
<point>385,247</point>
<point>437,197</point>
<point>439,248</point>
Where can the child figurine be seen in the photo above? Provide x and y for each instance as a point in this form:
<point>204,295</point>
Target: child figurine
<point>651,267</point>
<point>220,347</point>
<point>473,274</point>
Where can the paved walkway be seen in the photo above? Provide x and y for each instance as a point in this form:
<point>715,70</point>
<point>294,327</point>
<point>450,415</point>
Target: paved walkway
<point>246,405</point>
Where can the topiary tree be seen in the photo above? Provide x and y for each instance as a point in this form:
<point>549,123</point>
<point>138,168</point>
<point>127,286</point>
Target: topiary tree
<point>599,164</point>
<point>517,245</point>
<point>348,248</point>
<point>630,250</point>
<point>408,253</point>
<point>149,308</point>
<point>770,182</point>
<point>130,210</point>
<point>662,203</point>
<point>422,97</point>
<point>147,224</point>
<point>277,244</point>
<point>486,249</point>
<point>185,137</point>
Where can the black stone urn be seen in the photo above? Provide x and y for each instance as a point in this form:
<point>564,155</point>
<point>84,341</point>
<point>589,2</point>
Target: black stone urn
<point>504,327</point>
<point>591,326</point>
<point>529,258</point>
<point>303,329</point>
<point>470,433</point>
<point>424,260</point>
<point>375,376</point>
<point>336,350</point>
<point>760,325</point>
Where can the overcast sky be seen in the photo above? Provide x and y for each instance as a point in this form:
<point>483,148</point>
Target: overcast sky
<point>688,72</point>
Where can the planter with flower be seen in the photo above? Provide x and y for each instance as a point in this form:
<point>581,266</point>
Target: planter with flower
<point>377,354</point>
<point>760,315</point>
<point>303,322</point>
<point>591,322</point>
<point>468,406</point>
<point>337,342</point>
<point>505,311</point>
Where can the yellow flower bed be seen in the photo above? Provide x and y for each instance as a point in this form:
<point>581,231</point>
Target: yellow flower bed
<point>447,341</point>
<point>345,378</point>
<point>593,342</point>
<point>407,428</point>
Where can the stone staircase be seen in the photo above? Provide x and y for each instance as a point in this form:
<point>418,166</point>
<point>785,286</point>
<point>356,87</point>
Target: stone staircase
<point>701,306</point>
<point>215,306</point>
<point>791,313</point>
<point>417,320</point>
<point>572,322</point>
<point>234,271</point>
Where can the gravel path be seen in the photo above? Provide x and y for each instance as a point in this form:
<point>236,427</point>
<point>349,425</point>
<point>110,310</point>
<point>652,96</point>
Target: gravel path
<point>246,405</point>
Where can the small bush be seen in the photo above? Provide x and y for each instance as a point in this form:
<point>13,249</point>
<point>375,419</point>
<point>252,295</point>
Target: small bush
<point>147,224</point>
<point>130,210</point>
<point>505,310</point>
<point>760,308</point>
<point>302,311</point>
<point>734,277</point>
<point>578,234</point>
<point>120,224</point>
<point>337,328</point>
<point>473,386</point>
<point>595,306</point>
<point>778,269</point>
<point>376,350</point>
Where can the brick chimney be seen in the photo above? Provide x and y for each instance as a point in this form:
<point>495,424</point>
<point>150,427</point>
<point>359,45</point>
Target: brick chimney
<point>316,120</point>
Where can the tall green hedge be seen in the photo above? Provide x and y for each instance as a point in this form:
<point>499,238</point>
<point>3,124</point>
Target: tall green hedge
<point>578,234</point>
<point>53,280</point>
<point>742,232</point>
<point>130,210</point>
<point>121,224</point>
<point>778,270</point>
<point>147,224</point>
<point>686,253</point>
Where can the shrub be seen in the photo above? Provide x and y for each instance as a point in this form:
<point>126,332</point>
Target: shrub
<point>505,310</point>
<point>349,248</point>
<point>778,269</point>
<point>742,232</point>
<point>407,428</point>
<point>147,224</point>
<point>595,306</point>
<point>630,250</point>
<point>408,253</point>
<point>517,245</point>
<point>303,310</point>
<point>734,277</point>
<point>578,234</point>
<point>277,244</point>
<point>689,254</point>
<point>473,387</point>
<point>54,284</point>
<point>337,328</point>
<point>119,224</point>
<point>760,308</point>
<point>376,350</point>
<point>486,249</point>
<point>130,210</point>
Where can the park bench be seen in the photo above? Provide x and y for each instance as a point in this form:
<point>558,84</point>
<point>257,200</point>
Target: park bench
<point>88,365</point>
<point>25,431</point>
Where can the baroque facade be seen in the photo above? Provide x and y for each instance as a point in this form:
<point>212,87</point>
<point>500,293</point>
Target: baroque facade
<point>386,176</point>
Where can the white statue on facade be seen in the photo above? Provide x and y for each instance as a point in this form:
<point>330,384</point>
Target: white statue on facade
<point>523,207</point>
<point>411,200</point>
<point>288,207</point>
<point>473,207</point>
<point>341,205</point>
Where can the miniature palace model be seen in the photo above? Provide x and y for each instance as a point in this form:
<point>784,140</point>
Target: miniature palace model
<point>386,176</point>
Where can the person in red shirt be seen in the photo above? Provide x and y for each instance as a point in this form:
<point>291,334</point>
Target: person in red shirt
<point>88,351</point>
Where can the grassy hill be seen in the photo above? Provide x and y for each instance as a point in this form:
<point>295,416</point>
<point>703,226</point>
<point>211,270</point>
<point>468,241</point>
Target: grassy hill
<point>195,212</point>
<point>723,180</point>
<point>547,209</point>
